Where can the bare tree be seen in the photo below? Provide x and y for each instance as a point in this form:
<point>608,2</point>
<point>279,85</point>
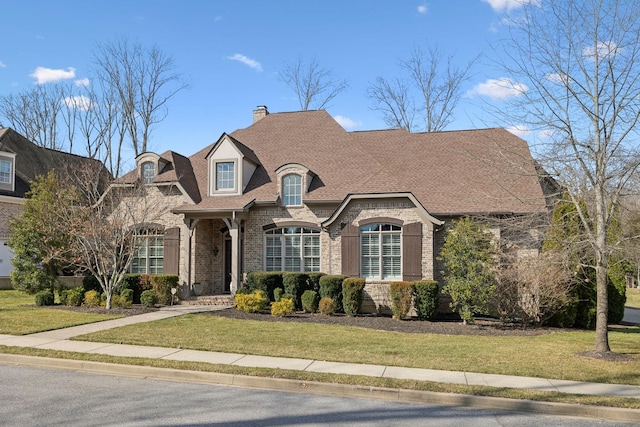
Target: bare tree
<point>577,67</point>
<point>429,88</point>
<point>314,86</point>
<point>36,114</point>
<point>144,80</point>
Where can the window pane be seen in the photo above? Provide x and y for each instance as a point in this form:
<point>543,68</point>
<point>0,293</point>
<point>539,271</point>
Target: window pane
<point>297,250</point>
<point>5,172</point>
<point>292,190</point>
<point>225,176</point>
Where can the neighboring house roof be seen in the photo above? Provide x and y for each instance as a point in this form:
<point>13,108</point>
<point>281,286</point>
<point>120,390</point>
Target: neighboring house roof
<point>33,161</point>
<point>177,170</point>
<point>454,172</point>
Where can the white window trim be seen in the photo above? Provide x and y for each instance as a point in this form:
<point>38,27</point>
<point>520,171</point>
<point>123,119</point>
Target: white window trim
<point>302,257</point>
<point>11,172</point>
<point>214,177</point>
<point>149,178</point>
<point>380,233</point>
<point>284,190</point>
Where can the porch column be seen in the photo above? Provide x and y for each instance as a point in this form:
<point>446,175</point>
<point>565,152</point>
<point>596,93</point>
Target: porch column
<point>233,224</point>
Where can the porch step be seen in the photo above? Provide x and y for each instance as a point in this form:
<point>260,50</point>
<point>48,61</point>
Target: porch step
<point>220,300</point>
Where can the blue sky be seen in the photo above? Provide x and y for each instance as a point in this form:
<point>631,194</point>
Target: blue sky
<point>230,52</point>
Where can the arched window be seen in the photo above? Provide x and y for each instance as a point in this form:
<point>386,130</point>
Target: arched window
<point>292,190</point>
<point>292,249</point>
<point>148,172</point>
<point>381,251</point>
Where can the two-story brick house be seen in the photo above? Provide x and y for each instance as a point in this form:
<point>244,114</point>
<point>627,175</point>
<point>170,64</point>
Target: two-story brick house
<point>296,192</point>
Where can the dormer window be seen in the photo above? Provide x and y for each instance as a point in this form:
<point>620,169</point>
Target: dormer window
<point>292,190</point>
<point>225,176</point>
<point>148,172</point>
<point>6,173</point>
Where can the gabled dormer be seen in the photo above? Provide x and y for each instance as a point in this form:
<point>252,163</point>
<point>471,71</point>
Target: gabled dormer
<point>230,167</point>
<point>294,180</point>
<point>7,171</point>
<point>149,165</point>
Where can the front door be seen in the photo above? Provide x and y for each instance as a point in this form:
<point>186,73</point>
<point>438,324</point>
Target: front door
<point>227,265</point>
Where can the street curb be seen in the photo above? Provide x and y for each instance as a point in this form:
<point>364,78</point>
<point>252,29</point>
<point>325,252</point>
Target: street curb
<point>329,389</point>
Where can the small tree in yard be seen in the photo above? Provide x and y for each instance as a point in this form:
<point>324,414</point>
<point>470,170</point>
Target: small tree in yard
<point>83,228</point>
<point>468,256</point>
<point>35,238</point>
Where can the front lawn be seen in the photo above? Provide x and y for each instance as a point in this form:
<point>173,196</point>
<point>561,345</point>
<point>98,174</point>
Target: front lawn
<point>633,298</point>
<point>553,355</point>
<point>20,316</point>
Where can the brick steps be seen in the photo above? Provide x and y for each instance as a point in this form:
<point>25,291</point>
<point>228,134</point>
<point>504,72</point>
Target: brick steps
<point>220,300</point>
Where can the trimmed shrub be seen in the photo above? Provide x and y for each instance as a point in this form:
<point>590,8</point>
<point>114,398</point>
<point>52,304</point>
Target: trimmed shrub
<point>267,281</point>
<point>45,297</point>
<point>401,294</point>
<point>90,283</point>
<point>63,294</point>
<point>243,290</point>
<point>125,298</point>
<point>327,306</point>
<point>331,286</point>
<point>91,299</point>
<point>617,296</point>
<point>310,301</point>
<point>314,281</point>
<point>277,294</point>
<point>426,299</point>
<point>75,296</point>
<point>149,298</point>
<point>283,307</point>
<point>295,284</point>
<point>162,284</point>
<point>252,303</point>
<point>352,294</point>
<point>132,281</point>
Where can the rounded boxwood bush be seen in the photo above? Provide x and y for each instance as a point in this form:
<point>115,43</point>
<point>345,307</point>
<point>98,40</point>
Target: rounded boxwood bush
<point>149,298</point>
<point>310,301</point>
<point>45,297</point>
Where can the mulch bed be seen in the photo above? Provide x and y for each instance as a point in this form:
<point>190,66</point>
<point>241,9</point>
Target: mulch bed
<point>446,325</point>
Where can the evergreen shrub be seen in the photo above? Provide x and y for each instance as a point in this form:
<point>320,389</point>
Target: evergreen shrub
<point>426,299</point>
<point>352,295</point>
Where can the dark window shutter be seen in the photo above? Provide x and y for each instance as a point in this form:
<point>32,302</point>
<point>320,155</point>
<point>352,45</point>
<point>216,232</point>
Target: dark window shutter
<point>412,251</point>
<point>171,250</point>
<point>350,238</point>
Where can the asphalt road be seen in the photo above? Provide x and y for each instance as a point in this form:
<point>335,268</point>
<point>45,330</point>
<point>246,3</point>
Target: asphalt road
<point>43,397</point>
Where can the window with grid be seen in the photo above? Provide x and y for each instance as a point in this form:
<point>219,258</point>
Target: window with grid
<point>292,249</point>
<point>292,190</point>
<point>225,176</point>
<point>381,251</point>
<point>148,255</point>
<point>5,172</point>
<point>148,172</point>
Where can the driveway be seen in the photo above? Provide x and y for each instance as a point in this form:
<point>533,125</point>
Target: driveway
<point>631,316</point>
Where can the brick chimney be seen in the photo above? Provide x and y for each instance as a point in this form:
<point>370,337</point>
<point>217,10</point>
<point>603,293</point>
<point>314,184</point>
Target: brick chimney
<point>260,113</point>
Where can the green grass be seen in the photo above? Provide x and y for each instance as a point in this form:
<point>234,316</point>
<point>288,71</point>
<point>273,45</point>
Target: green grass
<point>633,298</point>
<point>553,355</point>
<point>20,316</point>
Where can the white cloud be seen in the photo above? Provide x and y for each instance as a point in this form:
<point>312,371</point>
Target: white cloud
<point>346,122</point>
<point>423,9</point>
<point>246,61</point>
<point>520,131</point>
<point>82,82</point>
<point>602,50</point>
<point>79,102</point>
<point>507,5</point>
<point>2,65</point>
<point>502,88</point>
<point>46,75</point>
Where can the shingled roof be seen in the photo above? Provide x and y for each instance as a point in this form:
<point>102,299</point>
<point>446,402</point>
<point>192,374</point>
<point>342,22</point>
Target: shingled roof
<point>33,161</point>
<point>450,173</point>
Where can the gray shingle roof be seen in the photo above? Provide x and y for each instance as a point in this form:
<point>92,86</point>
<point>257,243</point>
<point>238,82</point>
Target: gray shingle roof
<point>32,161</point>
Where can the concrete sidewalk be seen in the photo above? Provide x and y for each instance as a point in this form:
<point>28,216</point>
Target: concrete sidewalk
<point>60,340</point>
